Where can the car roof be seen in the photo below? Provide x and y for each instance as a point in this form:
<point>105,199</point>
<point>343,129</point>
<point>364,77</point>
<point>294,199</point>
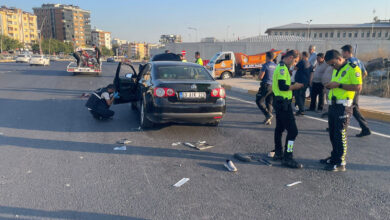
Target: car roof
<point>173,63</point>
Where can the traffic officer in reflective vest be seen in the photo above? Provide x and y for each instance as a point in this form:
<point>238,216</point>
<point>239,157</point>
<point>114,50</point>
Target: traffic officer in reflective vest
<point>346,81</point>
<point>285,120</point>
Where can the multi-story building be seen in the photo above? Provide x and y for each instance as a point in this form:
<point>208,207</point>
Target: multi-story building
<point>66,23</point>
<point>119,42</point>
<point>101,38</point>
<point>379,29</point>
<point>19,25</point>
<point>137,50</point>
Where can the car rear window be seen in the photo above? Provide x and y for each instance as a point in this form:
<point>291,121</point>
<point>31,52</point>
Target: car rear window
<point>21,55</point>
<point>37,56</point>
<point>182,73</point>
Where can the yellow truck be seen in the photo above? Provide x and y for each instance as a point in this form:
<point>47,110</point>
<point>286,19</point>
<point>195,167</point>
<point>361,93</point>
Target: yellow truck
<point>228,64</point>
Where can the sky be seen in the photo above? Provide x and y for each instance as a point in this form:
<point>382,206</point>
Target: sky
<point>146,20</point>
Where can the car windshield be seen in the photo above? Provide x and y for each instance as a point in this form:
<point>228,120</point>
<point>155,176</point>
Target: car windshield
<point>182,73</point>
<point>37,56</point>
<point>215,57</point>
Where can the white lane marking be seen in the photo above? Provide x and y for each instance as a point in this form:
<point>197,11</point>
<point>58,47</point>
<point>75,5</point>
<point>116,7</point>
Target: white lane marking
<point>314,118</point>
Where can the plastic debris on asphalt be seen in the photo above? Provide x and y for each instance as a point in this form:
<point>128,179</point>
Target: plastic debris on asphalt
<point>120,148</point>
<point>230,166</point>
<point>242,157</point>
<point>181,182</point>
<point>200,145</point>
<point>293,184</point>
<point>85,95</point>
<point>67,185</point>
<point>81,157</point>
<point>251,157</point>
<point>124,141</point>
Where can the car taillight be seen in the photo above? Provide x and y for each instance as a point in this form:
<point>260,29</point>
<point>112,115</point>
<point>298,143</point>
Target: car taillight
<point>218,92</point>
<point>163,92</point>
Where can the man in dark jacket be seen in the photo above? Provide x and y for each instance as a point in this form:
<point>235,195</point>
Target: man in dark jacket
<point>302,76</point>
<point>100,101</point>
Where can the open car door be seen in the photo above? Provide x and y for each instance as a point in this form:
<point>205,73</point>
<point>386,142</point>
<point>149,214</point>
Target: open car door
<point>125,82</point>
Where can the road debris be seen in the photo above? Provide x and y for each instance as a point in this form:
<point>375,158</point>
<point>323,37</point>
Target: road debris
<point>293,184</point>
<point>67,185</point>
<point>176,143</point>
<point>200,145</point>
<point>120,148</point>
<point>81,157</point>
<point>85,95</point>
<point>1,133</point>
<point>230,166</point>
<point>29,171</point>
<point>243,157</point>
<point>124,141</point>
<point>181,182</point>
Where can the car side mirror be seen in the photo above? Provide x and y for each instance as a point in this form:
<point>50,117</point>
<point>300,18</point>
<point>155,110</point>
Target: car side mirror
<point>129,75</point>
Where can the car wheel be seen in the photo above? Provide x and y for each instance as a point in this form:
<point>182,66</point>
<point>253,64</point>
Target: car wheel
<point>213,124</point>
<point>134,106</point>
<point>144,122</point>
<point>226,75</point>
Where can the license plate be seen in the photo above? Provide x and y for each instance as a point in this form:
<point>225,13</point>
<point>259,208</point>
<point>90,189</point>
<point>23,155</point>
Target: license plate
<point>192,95</point>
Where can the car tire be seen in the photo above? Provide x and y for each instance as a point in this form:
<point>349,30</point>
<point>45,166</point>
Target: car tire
<point>133,106</point>
<point>213,124</point>
<point>144,122</point>
<point>226,75</point>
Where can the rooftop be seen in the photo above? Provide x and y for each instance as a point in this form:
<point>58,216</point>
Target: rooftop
<point>378,24</point>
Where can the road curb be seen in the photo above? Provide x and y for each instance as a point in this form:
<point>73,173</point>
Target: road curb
<point>376,115</point>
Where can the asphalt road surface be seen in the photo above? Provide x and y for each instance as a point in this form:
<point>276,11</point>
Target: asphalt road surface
<point>57,162</point>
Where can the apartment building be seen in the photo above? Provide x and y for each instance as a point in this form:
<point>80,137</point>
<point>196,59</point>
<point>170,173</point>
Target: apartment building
<point>67,23</point>
<point>101,38</point>
<point>19,25</point>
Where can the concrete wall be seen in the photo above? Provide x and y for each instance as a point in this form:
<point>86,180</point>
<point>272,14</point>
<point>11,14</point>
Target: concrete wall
<point>207,50</point>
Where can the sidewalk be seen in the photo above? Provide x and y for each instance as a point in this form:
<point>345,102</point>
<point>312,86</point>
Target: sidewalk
<point>370,106</point>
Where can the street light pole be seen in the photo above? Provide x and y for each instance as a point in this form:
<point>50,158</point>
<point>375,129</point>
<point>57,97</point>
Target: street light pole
<point>308,28</point>
<point>196,32</point>
<point>1,43</point>
<point>40,36</point>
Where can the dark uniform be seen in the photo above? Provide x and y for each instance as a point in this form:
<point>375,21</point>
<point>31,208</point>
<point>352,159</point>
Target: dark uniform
<point>99,54</point>
<point>340,112</point>
<point>356,112</point>
<point>265,95</point>
<point>98,106</point>
<point>285,119</point>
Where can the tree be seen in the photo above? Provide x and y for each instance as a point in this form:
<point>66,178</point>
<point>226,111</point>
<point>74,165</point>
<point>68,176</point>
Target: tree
<point>50,46</point>
<point>9,43</point>
<point>107,52</point>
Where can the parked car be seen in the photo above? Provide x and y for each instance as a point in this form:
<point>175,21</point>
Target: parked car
<point>54,58</point>
<point>171,91</point>
<point>41,60</point>
<point>110,60</point>
<point>23,58</point>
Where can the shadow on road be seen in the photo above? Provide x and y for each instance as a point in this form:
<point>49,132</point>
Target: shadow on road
<point>26,213</point>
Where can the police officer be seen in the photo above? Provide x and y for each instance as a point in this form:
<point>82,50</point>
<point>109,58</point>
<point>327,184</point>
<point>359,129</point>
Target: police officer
<point>198,59</point>
<point>346,51</point>
<point>265,95</point>
<point>346,81</point>
<point>100,101</point>
<point>285,120</point>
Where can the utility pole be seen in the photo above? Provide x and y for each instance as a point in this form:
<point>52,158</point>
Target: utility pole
<point>40,36</point>
<point>308,28</point>
<point>372,24</point>
<point>196,31</point>
<point>1,43</point>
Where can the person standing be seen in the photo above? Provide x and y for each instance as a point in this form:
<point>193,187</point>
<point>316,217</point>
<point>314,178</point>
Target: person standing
<point>285,120</point>
<point>346,51</point>
<point>198,60</point>
<point>313,56</point>
<point>265,95</point>
<point>98,53</point>
<point>316,84</point>
<point>302,76</point>
<point>345,83</point>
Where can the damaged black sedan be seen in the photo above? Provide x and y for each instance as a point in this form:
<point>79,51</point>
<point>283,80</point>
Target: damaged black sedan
<point>172,91</point>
